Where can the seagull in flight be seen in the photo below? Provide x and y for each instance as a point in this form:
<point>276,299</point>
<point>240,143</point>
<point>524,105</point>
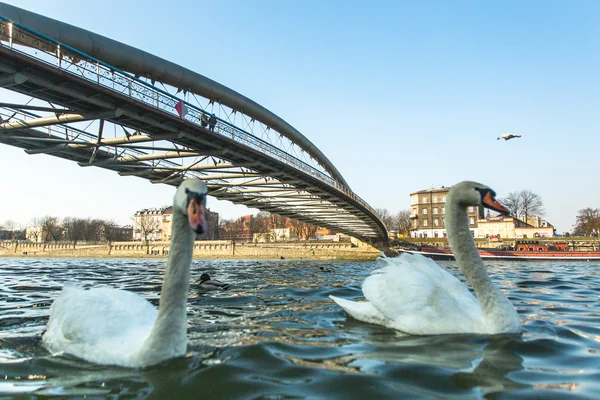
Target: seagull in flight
<point>508,136</point>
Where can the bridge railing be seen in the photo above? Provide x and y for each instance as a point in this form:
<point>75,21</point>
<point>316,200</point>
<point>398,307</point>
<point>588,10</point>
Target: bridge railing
<point>69,59</point>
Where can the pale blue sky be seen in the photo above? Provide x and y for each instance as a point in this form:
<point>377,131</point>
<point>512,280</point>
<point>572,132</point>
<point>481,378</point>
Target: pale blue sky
<point>399,95</point>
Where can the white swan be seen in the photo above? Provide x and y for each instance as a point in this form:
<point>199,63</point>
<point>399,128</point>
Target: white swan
<point>116,327</point>
<point>415,295</point>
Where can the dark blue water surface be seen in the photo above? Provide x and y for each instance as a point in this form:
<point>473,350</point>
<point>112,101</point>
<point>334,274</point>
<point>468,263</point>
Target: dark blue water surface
<point>276,335</point>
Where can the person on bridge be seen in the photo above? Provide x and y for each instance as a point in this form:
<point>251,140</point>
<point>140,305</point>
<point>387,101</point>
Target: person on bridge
<point>204,120</point>
<point>212,122</point>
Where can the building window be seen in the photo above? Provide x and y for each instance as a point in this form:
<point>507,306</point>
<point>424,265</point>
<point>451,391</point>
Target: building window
<point>435,199</point>
<point>436,222</point>
<point>443,199</point>
<point>424,200</point>
<point>471,221</point>
<point>443,210</point>
<point>424,211</point>
<point>424,222</point>
<point>471,209</point>
<point>435,210</point>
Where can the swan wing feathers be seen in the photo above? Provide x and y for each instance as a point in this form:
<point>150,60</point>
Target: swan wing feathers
<point>98,324</point>
<point>419,297</point>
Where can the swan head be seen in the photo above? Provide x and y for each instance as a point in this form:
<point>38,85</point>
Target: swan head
<point>190,200</point>
<point>469,193</point>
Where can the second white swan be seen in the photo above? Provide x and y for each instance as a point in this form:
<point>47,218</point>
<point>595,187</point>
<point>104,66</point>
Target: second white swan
<point>111,326</point>
<point>415,295</point>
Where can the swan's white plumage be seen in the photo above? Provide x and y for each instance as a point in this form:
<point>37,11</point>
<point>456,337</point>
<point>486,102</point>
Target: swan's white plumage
<point>413,294</point>
<point>113,333</point>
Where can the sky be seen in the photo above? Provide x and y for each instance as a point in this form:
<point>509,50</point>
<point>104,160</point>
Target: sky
<point>399,95</point>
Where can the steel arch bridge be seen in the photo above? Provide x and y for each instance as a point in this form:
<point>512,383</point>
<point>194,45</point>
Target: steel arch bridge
<point>98,102</point>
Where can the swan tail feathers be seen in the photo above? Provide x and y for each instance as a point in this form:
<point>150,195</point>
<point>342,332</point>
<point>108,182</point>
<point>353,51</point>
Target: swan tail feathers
<point>362,311</point>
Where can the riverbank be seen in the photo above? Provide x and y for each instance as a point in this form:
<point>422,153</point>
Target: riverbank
<point>217,249</point>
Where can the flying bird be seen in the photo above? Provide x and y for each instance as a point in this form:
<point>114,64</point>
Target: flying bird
<point>508,136</point>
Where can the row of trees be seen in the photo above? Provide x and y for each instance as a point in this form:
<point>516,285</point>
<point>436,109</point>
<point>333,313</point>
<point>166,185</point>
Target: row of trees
<point>70,229</point>
<point>399,222</point>
<point>265,221</point>
<point>11,230</point>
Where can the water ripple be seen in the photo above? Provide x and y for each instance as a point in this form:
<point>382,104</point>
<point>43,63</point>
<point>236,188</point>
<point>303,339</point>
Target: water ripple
<point>276,335</point>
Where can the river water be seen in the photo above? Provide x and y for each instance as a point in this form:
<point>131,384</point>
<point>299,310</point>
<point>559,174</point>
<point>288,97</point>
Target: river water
<point>276,335</point>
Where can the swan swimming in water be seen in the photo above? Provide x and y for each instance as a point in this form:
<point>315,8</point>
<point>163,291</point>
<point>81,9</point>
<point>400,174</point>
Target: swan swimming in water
<point>116,327</point>
<point>415,295</point>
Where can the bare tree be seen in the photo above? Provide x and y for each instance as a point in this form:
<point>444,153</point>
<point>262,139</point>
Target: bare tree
<point>11,230</point>
<point>513,203</point>
<point>51,229</point>
<point>111,232</point>
<point>74,229</point>
<point>385,216</point>
<point>260,223</point>
<point>35,233</point>
<point>93,230</point>
<point>401,222</point>
<point>279,222</point>
<point>524,204</point>
<point>146,225</point>
<point>296,227</point>
<point>532,204</point>
<point>587,222</point>
<point>309,230</point>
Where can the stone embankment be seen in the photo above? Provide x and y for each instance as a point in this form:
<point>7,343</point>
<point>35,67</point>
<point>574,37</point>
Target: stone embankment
<point>202,249</point>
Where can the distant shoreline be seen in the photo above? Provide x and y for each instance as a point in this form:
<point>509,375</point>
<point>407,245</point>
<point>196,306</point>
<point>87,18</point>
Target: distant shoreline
<point>218,249</point>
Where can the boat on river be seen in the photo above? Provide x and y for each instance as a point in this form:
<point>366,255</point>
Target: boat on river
<point>443,253</point>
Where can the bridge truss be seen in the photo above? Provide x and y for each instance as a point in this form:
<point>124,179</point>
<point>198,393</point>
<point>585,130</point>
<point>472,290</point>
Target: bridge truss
<point>79,108</point>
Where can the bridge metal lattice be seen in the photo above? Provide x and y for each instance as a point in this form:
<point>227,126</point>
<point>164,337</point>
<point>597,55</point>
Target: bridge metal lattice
<point>87,111</point>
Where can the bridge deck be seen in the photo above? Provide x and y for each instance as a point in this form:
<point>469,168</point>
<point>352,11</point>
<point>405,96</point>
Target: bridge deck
<point>159,143</point>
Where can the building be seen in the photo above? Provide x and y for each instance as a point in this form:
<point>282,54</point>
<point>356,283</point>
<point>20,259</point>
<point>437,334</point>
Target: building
<point>503,227</point>
<point>275,235</point>
<point>37,234</point>
<point>498,227</point>
<point>427,208</point>
<point>152,223</point>
<point>238,231</point>
<point>156,224</point>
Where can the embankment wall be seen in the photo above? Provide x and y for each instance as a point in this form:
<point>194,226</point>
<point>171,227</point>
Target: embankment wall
<point>202,249</point>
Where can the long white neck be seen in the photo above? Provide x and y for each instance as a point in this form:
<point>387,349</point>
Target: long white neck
<point>168,337</point>
<point>499,312</point>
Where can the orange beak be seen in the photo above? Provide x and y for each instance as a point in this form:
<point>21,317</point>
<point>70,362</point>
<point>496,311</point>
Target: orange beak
<point>490,201</point>
<point>196,216</point>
